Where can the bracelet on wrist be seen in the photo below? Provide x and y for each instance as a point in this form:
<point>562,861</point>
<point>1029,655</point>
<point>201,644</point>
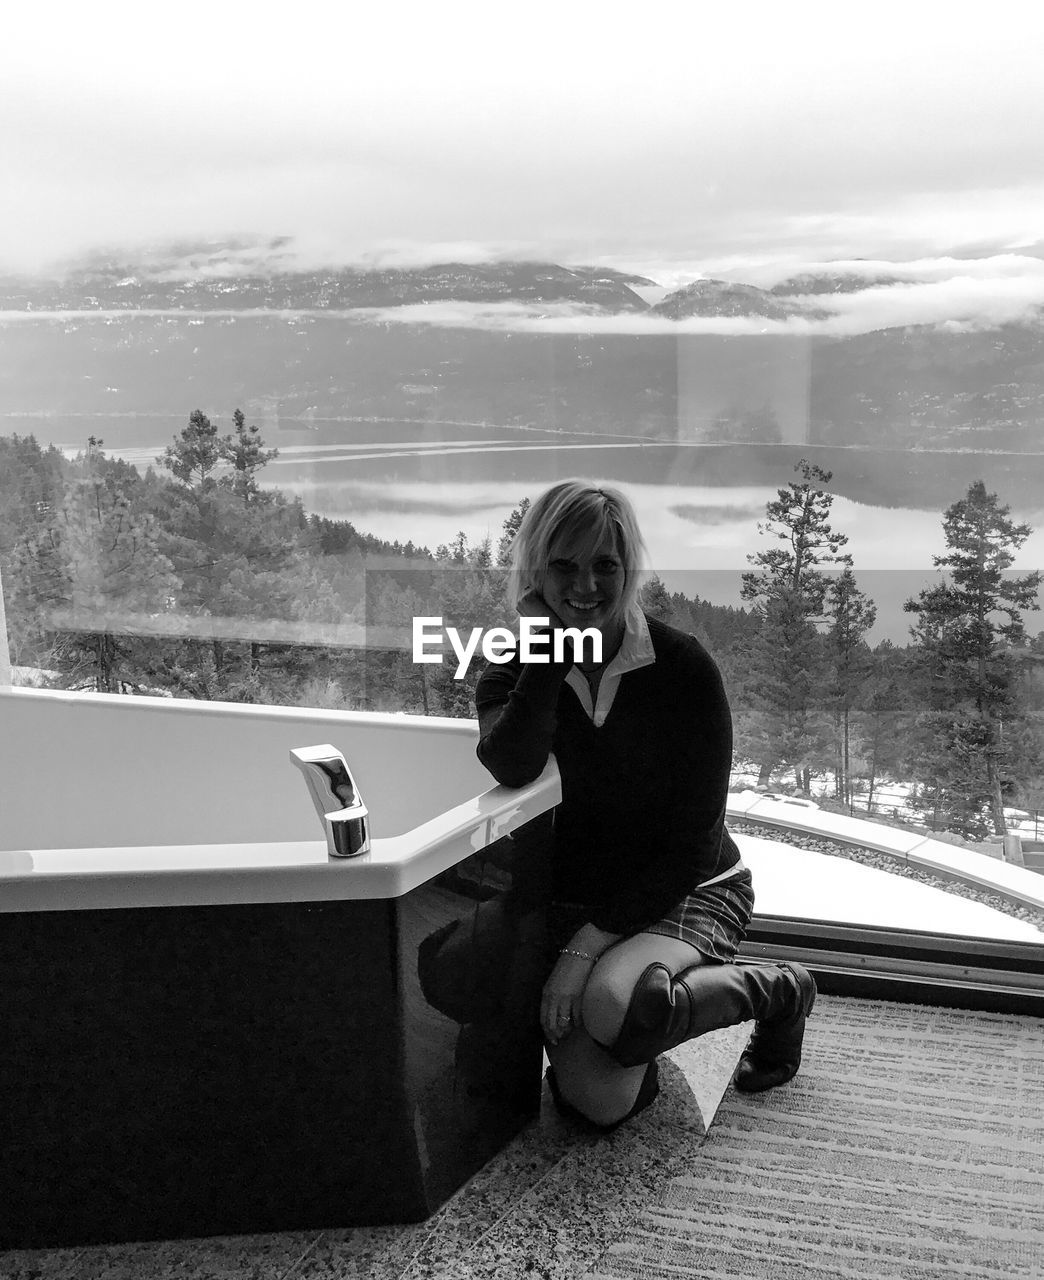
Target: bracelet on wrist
<point>580,955</point>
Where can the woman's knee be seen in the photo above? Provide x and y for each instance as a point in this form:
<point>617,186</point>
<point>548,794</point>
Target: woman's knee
<point>597,1105</point>
<point>607,995</point>
<point>605,1002</point>
<point>588,1082</point>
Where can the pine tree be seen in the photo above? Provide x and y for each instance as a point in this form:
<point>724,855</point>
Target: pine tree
<point>195,453</point>
<point>655,599</point>
<point>510,528</point>
<point>455,552</point>
<point>886,709</point>
<point>851,616</point>
<point>32,482</point>
<point>777,725</point>
<point>238,551</point>
<point>246,454</point>
<point>780,723</point>
<point>800,517</point>
<point>112,573</point>
<point>482,555</point>
<point>967,628</point>
<point>32,486</point>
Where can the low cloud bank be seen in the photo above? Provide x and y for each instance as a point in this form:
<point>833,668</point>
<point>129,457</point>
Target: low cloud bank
<point>876,293</point>
<point>768,274</point>
<point>239,256</point>
<point>956,293</point>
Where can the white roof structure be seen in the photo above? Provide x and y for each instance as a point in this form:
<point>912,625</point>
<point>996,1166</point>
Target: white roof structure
<point>800,882</point>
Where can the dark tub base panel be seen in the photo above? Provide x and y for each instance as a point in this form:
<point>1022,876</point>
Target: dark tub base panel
<point>195,1071</point>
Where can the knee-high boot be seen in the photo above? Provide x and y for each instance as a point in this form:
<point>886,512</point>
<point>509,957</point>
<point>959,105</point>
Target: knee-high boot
<point>665,1010</point>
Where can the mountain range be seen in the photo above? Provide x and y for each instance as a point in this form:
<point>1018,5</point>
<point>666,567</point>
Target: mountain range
<point>116,283</point>
<point>226,276</point>
<point>290,367</point>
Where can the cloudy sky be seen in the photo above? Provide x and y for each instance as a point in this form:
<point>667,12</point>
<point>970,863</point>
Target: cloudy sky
<point>673,138</point>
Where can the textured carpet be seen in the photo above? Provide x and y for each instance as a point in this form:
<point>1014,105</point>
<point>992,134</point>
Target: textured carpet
<point>909,1147</point>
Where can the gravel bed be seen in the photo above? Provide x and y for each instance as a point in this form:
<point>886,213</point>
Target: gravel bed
<point>894,866</point>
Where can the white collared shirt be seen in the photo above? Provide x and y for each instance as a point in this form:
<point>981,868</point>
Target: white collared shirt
<point>635,651</point>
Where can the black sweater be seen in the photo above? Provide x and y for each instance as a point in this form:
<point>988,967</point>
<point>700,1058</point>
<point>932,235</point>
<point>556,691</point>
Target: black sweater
<point>642,818</point>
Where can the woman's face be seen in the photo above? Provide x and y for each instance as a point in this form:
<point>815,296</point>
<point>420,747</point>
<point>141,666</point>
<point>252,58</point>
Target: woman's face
<point>585,587</point>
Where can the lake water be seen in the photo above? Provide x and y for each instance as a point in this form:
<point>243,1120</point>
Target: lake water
<point>424,478</point>
<point>699,505</point>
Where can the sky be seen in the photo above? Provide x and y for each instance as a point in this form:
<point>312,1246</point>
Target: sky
<point>677,139</point>
<point>746,142</point>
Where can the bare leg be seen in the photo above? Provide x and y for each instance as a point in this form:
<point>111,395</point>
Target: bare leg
<point>589,1079</point>
<point>587,1076</point>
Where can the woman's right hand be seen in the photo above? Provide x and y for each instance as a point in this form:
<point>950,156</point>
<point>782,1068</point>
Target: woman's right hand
<point>562,999</point>
<point>533,605</point>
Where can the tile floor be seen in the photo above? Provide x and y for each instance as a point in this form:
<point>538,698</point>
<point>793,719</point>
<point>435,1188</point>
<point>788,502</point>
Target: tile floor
<point>548,1206</point>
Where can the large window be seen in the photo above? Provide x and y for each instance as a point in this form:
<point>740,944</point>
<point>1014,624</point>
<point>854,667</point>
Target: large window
<point>293,324</point>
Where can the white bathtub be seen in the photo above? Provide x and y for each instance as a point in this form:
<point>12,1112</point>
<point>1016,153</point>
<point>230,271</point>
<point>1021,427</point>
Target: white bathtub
<point>210,1026</point>
<point>111,801</point>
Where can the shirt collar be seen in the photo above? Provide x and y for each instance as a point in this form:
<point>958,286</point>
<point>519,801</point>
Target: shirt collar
<point>636,648</point>
<point>635,651</point>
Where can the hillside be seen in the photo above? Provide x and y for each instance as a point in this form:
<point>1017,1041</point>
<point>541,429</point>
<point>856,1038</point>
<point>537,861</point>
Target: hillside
<point>727,298</point>
<point>125,283</point>
<point>828,282</point>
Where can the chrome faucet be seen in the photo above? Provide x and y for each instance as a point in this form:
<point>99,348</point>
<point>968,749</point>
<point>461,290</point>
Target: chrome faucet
<point>345,818</point>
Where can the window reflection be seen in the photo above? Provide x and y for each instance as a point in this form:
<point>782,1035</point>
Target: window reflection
<point>237,467</point>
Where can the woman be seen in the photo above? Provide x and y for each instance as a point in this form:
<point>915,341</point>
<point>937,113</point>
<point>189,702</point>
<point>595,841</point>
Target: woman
<point>649,896</point>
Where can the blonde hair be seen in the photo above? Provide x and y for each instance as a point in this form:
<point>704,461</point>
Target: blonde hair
<point>584,514</point>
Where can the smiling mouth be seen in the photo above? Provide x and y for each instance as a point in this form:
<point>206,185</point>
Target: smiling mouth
<point>584,608</point>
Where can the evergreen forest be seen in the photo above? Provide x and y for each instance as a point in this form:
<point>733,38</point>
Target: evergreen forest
<point>194,581</point>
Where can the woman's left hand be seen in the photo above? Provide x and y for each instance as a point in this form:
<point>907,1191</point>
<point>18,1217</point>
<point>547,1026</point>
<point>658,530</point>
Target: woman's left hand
<point>560,1006</point>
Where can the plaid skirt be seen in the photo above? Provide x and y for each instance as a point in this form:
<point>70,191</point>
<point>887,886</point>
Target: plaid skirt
<point>498,956</point>
<point>713,919</point>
